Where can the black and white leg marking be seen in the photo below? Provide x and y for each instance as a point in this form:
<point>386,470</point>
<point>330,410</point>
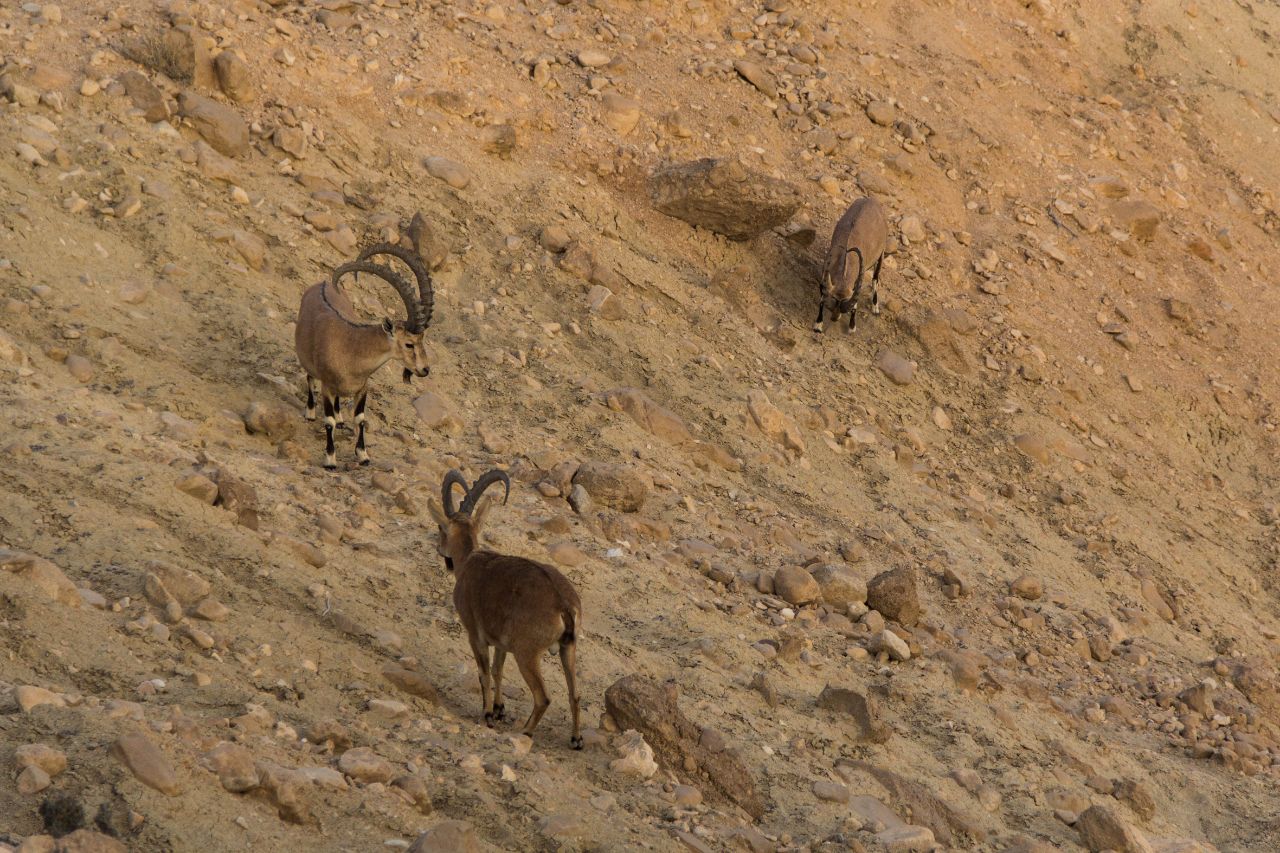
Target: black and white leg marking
<point>361,456</point>
<point>312,385</point>
<point>875,288</point>
<point>330,460</point>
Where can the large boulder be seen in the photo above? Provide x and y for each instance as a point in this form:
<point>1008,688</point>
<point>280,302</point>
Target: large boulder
<point>723,196</point>
<point>638,703</point>
<point>895,595</point>
<point>796,586</point>
<point>220,125</point>
<point>840,587</point>
<point>619,487</point>
<point>1101,829</point>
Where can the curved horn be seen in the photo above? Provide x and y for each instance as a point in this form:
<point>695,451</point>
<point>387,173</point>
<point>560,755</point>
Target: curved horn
<point>453,478</point>
<point>420,316</point>
<point>486,480</point>
<point>387,274</point>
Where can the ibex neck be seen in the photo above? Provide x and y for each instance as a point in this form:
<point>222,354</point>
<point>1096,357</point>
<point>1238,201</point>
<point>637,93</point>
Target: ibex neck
<point>373,349</point>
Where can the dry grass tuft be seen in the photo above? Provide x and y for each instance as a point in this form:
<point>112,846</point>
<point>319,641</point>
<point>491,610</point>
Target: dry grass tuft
<point>166,53</point>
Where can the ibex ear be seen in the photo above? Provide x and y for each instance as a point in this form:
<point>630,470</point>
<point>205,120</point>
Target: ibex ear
<point>387,325</point>
<point>437,512</point>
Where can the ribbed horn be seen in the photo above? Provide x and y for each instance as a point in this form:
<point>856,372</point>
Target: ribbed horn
<point>387,274</point>
<point>453,478</point>
<point>420,316</point>
<point>486,480</point>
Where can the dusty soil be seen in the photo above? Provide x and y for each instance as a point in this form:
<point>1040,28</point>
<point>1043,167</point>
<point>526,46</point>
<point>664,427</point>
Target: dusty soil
<point>1081,469</point>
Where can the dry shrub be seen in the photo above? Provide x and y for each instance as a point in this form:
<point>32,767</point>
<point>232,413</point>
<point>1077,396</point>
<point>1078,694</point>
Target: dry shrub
<point>167,53</point>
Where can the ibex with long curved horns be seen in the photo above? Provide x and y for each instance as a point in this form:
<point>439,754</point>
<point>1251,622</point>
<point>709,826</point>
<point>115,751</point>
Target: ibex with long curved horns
<point>515,605</point>
<point>339,355</point>
<point>861,232</point>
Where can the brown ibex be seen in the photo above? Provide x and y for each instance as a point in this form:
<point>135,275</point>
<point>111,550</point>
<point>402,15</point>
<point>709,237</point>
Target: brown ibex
<point>339,355</point>
<point>517,606</point>
<point>862,231</point>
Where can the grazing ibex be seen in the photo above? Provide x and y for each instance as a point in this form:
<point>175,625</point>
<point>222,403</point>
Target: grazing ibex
<point>863,232</point>
<point>339,355</point>
<point>513,604</point>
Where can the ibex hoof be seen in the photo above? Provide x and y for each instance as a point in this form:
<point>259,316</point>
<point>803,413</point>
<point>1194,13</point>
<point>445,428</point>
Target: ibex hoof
<point>500,712</point>
<point>875,309</point>
<point>310,414</point>
<point>364,461</point>
<point>331,466</point>
<point>575,742</point>
<point>817,327</point>
<point>488,719</point>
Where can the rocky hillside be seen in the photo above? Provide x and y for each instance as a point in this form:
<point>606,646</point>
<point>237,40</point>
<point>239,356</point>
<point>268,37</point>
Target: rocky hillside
<point>995,572</point>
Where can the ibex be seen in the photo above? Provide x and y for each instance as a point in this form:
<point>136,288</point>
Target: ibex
<point>339,355</point>
<point>515,605</point>
<point>863,232</point>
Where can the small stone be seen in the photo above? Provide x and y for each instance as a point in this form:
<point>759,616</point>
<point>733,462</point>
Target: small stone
<point>840,587</point>
<point>892,645</point>
<point>687,796</point>
<point>831,792</point>
<point>554,238</point>
<point>775,425</point>
<point>566,554</point>
<point>912,229</point>
<point>274,420</point>
<point>134,292</point>
<point>365,765</point>
<point>1199,698</point>
<point>882,113</point>
<point>1033,446</point>
<point>580,500</point>
<point>619,487</point>
<point>898,369</point>
<point>211,610</point>
<point>388,710</point>
<point>796,586</point>
<point>47,759</point>
<point>1137,796</point>
<point>146,762</point>
<point>1139,218</point>
<point>450,836</point>
<point>33,780</point>
<point>1028,587</point>
<point>234,77</point>
<point>30,697</point>
<point>80,368</point>
<point>593,58</point>
<point>619,113</point>
<point>291,140</point>
<point>1102,829</point>
<point>145,96</point>
<point>234,766</point>
<point>220,125</point>
<point>199,487</point>
<point>636,756</point>
<point>451,172</point>
<point>416,790</point>
<point>907,839</point>
<point>755,74</point>
<point>436,413</point>
<point>894,594</point>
